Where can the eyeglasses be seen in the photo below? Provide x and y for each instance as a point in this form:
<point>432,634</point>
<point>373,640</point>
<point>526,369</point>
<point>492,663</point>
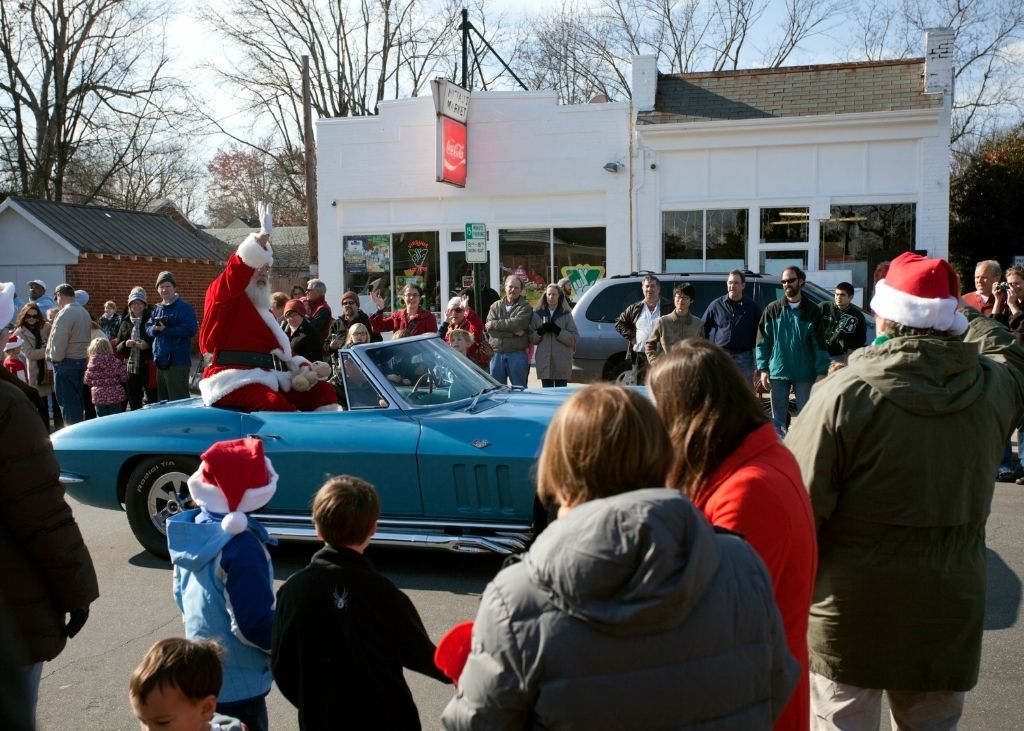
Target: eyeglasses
<point>790,280</point>
<point>30,316</point>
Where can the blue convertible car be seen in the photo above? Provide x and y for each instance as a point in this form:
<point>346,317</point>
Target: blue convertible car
<point>450,451</point>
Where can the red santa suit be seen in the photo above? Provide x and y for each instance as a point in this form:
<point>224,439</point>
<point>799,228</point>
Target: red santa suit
<point>244,340</point>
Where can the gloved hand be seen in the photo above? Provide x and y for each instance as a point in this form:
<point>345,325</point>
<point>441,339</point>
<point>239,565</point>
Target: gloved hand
<point>266,217</point>
<point>554,329</point>
<point>76,620</point>
<point>542,329</point>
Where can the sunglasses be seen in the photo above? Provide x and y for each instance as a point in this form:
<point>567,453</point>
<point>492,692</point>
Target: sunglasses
<point>790,280</point>
<point>349,302</point>
<point>457,309</point>
<point>30,316</point>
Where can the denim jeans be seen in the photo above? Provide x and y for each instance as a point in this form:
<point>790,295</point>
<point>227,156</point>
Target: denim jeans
<point>745,361</point>
<point>512,366</point>
<point>108,409</point>
<point>31,675</point>
<point>780,401</point>
<point>252,713</point>
<point>552,383</point>
<point>1008,463</point>
<point>67,382</point>
<point>172,383</point>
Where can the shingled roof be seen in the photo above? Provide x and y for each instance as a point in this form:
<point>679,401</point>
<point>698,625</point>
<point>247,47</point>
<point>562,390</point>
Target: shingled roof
<point>291,244</point>
<point>796,91</point>
<point>115,231</point>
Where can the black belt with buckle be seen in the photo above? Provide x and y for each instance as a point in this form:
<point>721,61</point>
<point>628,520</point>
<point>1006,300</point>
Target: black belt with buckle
<point>248,359</point>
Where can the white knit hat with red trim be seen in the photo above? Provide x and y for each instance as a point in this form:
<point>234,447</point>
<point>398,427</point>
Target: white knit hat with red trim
<point>921,293</point>
<point>13,342</point>
<point>234,478</point>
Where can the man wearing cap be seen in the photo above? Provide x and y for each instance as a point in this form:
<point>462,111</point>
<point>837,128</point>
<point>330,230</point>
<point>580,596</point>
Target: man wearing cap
<point>172,326</point>
<point>318,312</point>
<point>897,451</point>
<point>350,315</point>
<point>37,294</point>
<point>566,286</point>
<point>66,349</point>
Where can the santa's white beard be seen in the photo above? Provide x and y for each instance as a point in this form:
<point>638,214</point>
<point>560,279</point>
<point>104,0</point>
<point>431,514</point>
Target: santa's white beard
<point>259,292</point>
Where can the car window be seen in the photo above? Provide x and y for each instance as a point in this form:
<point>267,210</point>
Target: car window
<point>612,300</point>
<point>359,390</point>
<point>427,372</point>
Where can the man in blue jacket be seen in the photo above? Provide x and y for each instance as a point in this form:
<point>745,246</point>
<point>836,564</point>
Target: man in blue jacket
<point>731,322</point>
<point>172,326</point>
<point>790,353</point>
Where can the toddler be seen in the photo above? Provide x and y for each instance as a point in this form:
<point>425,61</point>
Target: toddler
<point>14,361</point>
<point>106,375</point>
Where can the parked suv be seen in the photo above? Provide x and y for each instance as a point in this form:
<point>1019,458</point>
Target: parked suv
<point>601,351</point>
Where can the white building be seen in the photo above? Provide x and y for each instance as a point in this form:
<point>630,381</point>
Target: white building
<point>833,168</point>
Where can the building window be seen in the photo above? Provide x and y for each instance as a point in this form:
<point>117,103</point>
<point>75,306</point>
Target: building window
<point>859,237</point>
<point>387,262</point>
<point>540,256</point>
<point>788,225</point>
<point>775,262</point>
<point>713,240</point>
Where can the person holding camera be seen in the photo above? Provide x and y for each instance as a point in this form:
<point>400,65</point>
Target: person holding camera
<point>172,326</point>
<point>988,298</point>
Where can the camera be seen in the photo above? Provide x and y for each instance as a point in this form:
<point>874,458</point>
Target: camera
<point>162,321</point>
<point>1002,287</point>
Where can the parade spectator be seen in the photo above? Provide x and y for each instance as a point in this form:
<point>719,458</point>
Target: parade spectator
<point>790,350</point>
<point>729,463</point>
<point>106,375</point>
<point>277,302</point>
<point>846,328</point>
<point>14,361</point>
<point>66,350</point>
<point>553,331</point>
<point>1011,467</point>
<point>223,578</point>
<point>411,318</point>
<point>176,686</point>
<point>39,297</point>
<point>33,330</point>
<point>342,326</point>
<point>636,323</point>
<point>48,580</point>
<point>460,318</point>
<point>899,599</point>
<point>317,310</point>
<point>343,632</point>
<point>298,292</point>
<point>731,323</point>
<point>251,367</point>
<point>110,321</point>
<point>508,325</point>
<point>629,606</point>
<point>171,326</point>
<point>986,276</point>
<point>461,341</point>
<point>676,326</point>
<point>357,335</point>
<point>488,296</point>
<point>134,344</point>
<point>303,337</point>
<point>565,284</point>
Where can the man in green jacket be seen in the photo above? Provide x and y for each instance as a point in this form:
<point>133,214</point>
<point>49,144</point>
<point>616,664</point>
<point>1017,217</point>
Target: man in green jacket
<point>898,450</point>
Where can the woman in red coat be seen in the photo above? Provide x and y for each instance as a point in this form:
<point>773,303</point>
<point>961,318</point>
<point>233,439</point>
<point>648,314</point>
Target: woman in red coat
<point>411,318</point>
<point>734,469</point>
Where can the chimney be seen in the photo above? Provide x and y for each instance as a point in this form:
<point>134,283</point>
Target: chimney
<point>938,62</point>
<point>644,84</point>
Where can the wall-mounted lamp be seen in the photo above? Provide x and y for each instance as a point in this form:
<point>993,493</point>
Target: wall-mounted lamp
<point>613,167</point>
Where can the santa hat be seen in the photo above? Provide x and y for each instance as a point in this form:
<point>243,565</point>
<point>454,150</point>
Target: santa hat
<point>234,478</point>
<point>920,293</point>
<point>6,303</point>
<point>13,342</point>
<point>453,650</point>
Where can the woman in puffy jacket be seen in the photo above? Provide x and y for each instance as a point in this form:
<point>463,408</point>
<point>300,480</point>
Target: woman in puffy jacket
<point>554,333</point>
<point>629,611</point>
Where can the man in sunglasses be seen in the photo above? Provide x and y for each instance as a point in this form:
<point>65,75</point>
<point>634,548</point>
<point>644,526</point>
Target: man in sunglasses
<point>350,315</point>
<point>791,353</point>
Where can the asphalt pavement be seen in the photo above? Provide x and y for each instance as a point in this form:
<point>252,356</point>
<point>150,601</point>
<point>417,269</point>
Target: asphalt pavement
<point>86,687</point>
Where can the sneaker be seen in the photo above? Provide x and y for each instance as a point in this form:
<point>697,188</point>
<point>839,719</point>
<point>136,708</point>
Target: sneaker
<point>1019,480</point>
<point>1006,476</point>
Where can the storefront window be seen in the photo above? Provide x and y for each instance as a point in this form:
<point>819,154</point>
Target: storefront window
<point>775,262</point>
<point>540,256</point>
<point>859,237</point>
<point>704,240</point>
<point>367,265</point>
<point>579,254</point>
<point>417,260</point>
<point>789,225</point>
<point>387,262</point>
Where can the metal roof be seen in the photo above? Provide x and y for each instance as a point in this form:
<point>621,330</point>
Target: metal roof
<point>290,244</point>
<point>796,91</point>
<point>115,231</point>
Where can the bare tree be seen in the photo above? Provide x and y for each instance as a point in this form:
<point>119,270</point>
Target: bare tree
<point>76,72</point>
<point>240,176</point>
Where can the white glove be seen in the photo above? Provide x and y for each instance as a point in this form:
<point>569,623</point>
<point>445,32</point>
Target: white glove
<point>266,217</point>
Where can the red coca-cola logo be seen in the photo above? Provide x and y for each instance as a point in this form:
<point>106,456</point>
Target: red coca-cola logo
<point>453,157</point>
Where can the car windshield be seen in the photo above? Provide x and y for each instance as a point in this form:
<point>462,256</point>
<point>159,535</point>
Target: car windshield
<point>427,371</point>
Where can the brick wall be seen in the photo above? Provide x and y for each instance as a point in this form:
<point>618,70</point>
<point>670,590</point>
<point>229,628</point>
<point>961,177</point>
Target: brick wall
<point>111,278</point>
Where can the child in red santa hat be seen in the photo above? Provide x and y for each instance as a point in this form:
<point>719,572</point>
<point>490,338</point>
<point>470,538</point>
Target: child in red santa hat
<point>223,577</point>
<point>14,361</point>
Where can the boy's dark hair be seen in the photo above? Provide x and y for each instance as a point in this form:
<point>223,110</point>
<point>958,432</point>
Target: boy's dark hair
<point>344,510</point>
<point>845,287</point>
<point>191,666</point>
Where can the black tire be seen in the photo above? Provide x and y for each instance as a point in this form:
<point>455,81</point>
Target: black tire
<point>157,489</point>
<point>615,367</point>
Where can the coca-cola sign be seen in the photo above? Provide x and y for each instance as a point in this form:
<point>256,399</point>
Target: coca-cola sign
<point>451,151</point>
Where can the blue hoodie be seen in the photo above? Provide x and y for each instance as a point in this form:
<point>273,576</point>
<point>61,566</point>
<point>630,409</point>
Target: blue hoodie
<point>224,587</point>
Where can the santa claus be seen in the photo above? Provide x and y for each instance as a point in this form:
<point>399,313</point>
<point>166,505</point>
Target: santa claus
<point>252,366</point>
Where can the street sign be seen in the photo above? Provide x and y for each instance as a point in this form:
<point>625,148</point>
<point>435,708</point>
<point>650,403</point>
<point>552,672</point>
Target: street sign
<point>476,243</point>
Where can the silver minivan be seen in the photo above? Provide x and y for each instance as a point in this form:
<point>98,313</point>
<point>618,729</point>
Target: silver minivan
<point>601,351</point>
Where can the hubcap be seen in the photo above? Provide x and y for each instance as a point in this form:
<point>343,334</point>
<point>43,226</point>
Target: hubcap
<point>168,497</point>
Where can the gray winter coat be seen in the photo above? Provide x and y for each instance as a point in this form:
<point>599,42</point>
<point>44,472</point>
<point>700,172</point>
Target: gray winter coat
<point>628,613</point>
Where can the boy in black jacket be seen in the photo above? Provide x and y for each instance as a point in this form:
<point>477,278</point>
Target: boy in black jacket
<point>343,632</point>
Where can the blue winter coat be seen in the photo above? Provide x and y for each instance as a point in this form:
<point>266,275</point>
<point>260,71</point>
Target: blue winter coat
<point>173,345</point>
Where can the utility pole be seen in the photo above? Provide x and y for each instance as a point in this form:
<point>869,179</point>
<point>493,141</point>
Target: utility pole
<point>312,231</point>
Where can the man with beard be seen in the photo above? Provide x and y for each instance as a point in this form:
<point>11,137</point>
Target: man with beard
<point>790,350</point>
<point>350,315</point>
<point>252,366</point>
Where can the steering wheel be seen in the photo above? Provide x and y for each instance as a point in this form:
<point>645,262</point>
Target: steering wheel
<point>419,381</point>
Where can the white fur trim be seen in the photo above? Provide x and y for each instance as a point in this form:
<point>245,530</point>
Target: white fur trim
<point>329,407</point>
<point>234,523</point>
<point>938,313</point>
<point>210,496</point>
<point>280,335</point>
<point>254,255</point>
<point>214,388</point>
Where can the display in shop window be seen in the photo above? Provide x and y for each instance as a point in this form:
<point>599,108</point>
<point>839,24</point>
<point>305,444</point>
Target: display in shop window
<point>582,277</point>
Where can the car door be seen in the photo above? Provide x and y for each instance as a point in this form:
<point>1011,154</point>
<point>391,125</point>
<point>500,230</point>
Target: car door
<point>378,445</point>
